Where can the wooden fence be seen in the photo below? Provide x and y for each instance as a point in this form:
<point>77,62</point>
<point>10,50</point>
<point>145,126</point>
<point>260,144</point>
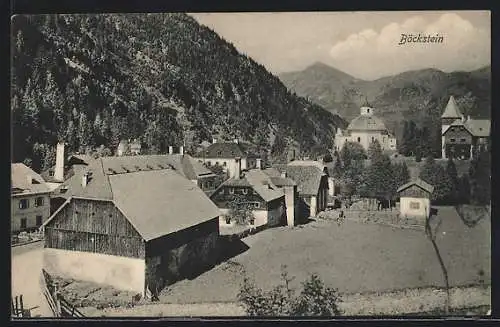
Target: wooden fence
<point>18,309</point>
<point>58,305</point>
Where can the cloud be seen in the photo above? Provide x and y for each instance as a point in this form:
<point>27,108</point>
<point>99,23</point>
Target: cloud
<point>372,54</point>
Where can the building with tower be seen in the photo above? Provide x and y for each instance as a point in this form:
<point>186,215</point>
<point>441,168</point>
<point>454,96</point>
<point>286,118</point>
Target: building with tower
<point>462,136</point>
<point>365,129</point>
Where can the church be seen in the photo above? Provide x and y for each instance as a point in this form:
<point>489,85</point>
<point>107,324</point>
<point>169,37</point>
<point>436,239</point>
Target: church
<point>462,136</point>
<point>365,129</point>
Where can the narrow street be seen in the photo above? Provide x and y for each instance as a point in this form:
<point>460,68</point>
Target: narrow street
<point>25,275</point>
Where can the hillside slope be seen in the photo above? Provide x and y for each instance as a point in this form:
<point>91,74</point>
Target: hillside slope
<point>419,95</point>
<point>162,78</point>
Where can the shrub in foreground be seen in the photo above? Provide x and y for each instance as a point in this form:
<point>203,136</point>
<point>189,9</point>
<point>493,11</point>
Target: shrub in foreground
<point>314,299</point>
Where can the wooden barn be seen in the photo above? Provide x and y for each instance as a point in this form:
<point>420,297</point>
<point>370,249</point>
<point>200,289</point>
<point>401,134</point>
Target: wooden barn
<point>415,199</point>
<point>136,227</point>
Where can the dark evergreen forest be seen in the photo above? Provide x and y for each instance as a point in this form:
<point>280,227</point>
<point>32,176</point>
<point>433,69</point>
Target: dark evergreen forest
<point>92,80</point>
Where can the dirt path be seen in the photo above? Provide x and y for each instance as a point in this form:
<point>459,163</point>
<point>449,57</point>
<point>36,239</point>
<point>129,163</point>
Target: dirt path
<point>25,275</point>
<point>410,301</point>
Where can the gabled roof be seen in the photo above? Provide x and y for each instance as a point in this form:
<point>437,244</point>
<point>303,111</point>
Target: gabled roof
<point>418,182</point>
<point>451,110</point>
<point>476,127</point>
<point>259,182</point>
<point>308,178</point>
<point>19,180</point>
<point>150,192</point>
<point>276,178</point>
<point>479,127</point>
<point>160,202</point>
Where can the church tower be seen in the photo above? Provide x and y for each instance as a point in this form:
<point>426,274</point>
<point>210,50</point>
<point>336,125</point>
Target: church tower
<point>451,113</point>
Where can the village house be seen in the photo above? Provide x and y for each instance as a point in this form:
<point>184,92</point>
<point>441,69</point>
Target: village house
<point>30,205</point>
<point>415,199</point>
<point>134,224</point>
<point>365,129</point>
<point>461,136</point>
<point>312,184</point>
<point>272,205</point>
<point>223,154</point>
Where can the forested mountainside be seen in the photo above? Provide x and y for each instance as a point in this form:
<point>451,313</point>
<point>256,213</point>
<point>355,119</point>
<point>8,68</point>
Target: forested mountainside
<point>420,95</point>
<point>92,80</point>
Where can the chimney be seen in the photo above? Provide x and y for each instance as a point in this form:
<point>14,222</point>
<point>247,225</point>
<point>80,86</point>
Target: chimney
<point>170,150</point>
<point>29,179</point>
<point>283,174</point>
<point>214,140</point>
<point>85,179</point>
<point>259,163</point>
<point>468,117</point>
<point>59,170</point>
<point>181,150</point>
<point>237,168</point>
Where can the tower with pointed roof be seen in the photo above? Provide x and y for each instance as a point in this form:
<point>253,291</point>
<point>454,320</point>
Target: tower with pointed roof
<point>451,114</point>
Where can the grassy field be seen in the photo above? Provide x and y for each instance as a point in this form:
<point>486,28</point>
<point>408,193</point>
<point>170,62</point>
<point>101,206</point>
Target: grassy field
<point>352,257</point>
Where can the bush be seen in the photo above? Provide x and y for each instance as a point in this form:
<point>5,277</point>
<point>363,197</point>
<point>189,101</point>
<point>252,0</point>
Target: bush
<point>315,299</point>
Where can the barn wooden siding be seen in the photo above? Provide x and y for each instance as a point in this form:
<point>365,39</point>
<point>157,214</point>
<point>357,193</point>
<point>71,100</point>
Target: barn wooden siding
<point>94,226</point>
<point>414,192</point>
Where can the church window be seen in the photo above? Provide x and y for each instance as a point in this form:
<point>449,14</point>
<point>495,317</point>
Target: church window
<point>359,139</point>
<point>373,139</point>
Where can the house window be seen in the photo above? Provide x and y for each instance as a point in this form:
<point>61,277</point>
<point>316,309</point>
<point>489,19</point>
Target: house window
<point>452,140</point>
<point>245,191</point>
<point>414,205</point>
<point>359,139</point>
<point>462,140</point>
<point>224,164</point>
<point>231,190</point>
<point>373,139</point>
<point>38,221</point>
<point>51,173</point>
<point>39,201</point>
<point>228,219</point>
<point>368,110</point>
<point>23,223</point>
<point>256,204</point>
<point>252,221</point>
<point>209,163</point>
<point>24,204</point>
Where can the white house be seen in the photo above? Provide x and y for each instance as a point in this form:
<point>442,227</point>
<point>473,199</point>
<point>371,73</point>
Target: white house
<point>415,199</point>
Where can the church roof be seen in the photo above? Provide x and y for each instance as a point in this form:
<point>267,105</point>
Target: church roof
<point>451,110</point>
<point>366,123</point>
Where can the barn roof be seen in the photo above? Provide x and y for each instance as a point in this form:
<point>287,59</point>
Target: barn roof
<point>308,178</point>
<point>153,195</point>
<point>418,182</point>
<point>451,110</point>
<point>19,180</point>
<point>160,202</point>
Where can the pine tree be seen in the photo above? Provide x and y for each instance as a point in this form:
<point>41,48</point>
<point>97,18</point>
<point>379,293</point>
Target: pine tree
<point>480,179</point>
<point>401,174</point>
<point>352,151</point>
<point>53,102</point>
<point>337,169</point>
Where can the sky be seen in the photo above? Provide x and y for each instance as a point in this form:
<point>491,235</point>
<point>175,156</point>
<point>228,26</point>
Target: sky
<point>363,44</point>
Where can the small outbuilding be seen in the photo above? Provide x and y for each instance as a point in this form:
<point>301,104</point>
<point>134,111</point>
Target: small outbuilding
<point>415,199</point>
